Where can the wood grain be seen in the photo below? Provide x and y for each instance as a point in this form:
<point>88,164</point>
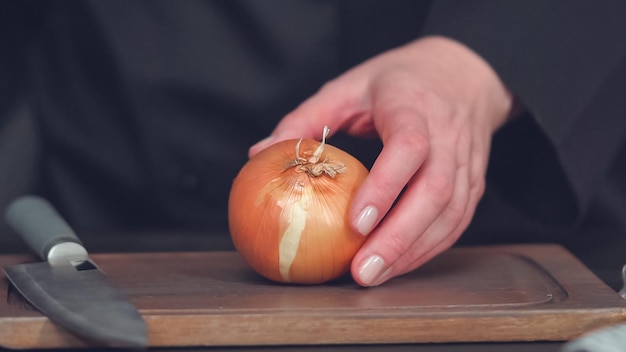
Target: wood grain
<point>499,293</point>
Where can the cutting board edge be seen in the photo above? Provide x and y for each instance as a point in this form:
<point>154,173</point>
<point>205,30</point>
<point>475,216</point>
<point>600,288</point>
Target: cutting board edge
<point>227,331</point>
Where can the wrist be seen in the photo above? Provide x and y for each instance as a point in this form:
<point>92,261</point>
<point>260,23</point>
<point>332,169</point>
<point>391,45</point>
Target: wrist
<point>473,79</point>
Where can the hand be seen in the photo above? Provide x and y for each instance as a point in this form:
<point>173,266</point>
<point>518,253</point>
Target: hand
<point>435,104</point>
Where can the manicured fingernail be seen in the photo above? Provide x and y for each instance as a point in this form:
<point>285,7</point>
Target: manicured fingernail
<point>263,143</point>
<point>383,277</point>
<point>366,220</point>
<point>371,270</point>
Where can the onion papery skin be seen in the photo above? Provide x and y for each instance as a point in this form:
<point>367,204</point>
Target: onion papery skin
<point>290,226</point>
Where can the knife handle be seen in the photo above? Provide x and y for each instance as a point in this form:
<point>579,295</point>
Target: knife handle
<point>44,230</point>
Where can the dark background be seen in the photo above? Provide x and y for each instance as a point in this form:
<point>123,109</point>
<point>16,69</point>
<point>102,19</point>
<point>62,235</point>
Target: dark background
<point>528,196</point>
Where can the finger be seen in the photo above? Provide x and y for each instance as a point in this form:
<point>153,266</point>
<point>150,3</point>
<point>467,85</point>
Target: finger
<point>474,197</point>
<point>335,103</point>
<point>442,234</point>
<point>446,230</point>
<point>403,118</point>
<point>423,201</point>
<point>448,226</point>
<point>406,146</point>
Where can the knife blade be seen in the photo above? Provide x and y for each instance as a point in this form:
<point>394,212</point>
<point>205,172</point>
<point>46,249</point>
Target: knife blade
<point>68,287</point>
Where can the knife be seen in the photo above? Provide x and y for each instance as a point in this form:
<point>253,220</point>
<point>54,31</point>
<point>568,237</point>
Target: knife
<point>68,286</point>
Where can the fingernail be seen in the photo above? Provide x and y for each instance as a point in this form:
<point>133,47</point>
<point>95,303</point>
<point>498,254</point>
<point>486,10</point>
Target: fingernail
<point>366,220</point>
<point>369,272</point>
<point>262,144</point>
<point>383,277</point>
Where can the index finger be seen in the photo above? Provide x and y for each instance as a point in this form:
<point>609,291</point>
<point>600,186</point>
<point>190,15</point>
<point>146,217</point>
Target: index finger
<point>333,105</point>
<point>405,147</point>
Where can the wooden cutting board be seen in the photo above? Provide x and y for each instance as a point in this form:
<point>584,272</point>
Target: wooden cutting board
<point>499,293</point>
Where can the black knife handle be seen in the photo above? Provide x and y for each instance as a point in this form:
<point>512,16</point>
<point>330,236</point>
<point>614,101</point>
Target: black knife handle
<point>39,224</point>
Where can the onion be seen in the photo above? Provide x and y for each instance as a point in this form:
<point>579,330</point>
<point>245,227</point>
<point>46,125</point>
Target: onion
<point>288,211</point>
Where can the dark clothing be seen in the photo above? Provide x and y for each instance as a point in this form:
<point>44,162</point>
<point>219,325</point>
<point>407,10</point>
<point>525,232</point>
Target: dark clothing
<point>558,174</point>
<point>145,110</point>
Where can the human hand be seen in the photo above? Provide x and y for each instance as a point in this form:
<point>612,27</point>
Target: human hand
<point>435,104</point>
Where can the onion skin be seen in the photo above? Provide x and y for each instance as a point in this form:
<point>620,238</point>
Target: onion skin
<point>273,200</point>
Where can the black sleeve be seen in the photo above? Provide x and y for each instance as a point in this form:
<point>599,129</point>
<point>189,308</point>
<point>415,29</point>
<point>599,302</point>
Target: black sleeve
<point>564,61</point>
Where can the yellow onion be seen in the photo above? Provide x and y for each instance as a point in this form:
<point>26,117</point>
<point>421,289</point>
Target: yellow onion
<point>288,211</point>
